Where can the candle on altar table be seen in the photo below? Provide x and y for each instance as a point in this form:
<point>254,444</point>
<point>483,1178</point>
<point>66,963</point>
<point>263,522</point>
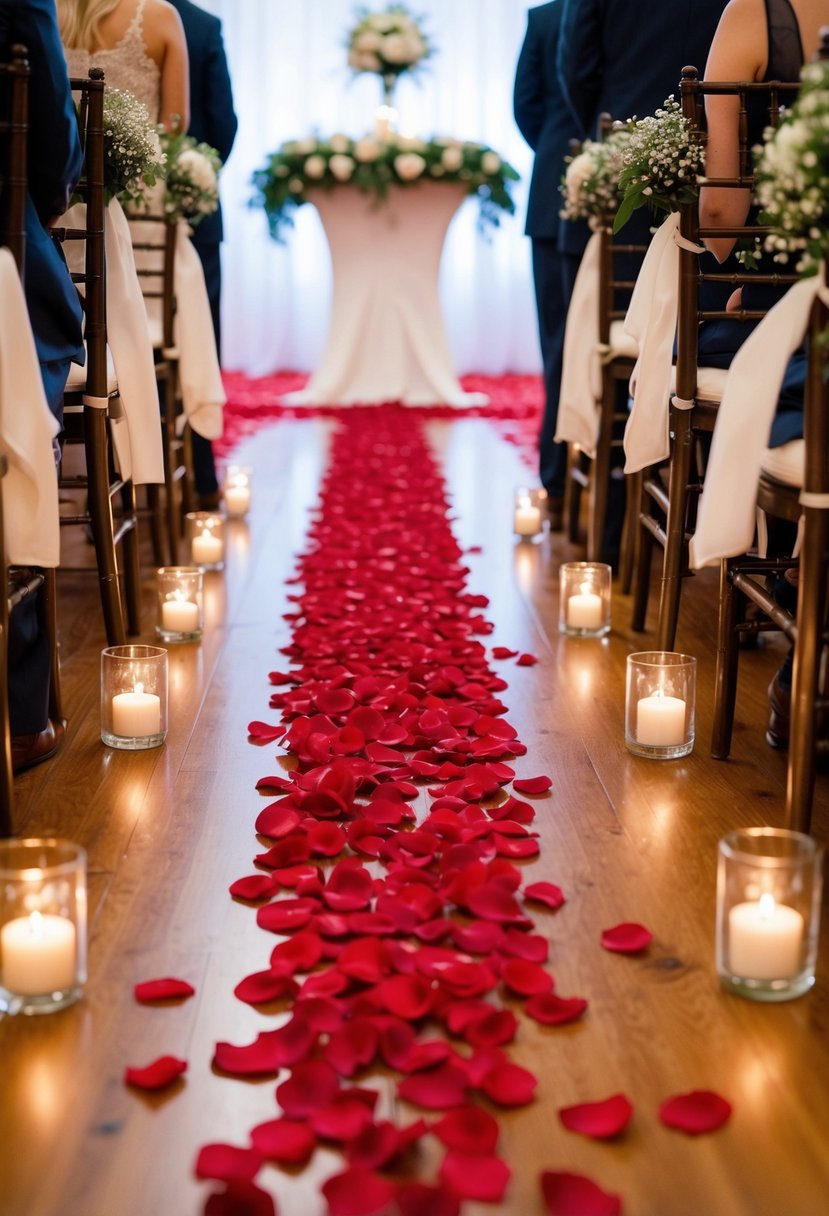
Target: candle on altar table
<point>38,954</point>
<point>136,714</point>
<point>584,609</point>
<point>207,548</point>
<point>384,122</point>
<point>237,498</point>
<point>764,940</point>
<point>178,614</point>
<point>660,720</point>
<point>527,518</point>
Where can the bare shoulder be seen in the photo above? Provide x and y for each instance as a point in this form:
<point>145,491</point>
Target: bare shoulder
<point>162,25</point>
<point>740,47</point>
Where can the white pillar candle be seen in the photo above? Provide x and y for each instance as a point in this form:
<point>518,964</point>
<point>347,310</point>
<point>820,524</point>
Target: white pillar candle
<point>764,940</point>
<point>179,615</point>
<point>660,721</point>
<point>384,122</point>
<point>136,714</point>
<point>584,610</point>
<point>237,499</point>
<point>38,954</point>
<point>527,519</point>
<point>207,549</point>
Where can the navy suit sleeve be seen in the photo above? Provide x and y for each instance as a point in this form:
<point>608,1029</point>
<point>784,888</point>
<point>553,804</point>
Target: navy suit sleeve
<point>55,162</point>
<point>528,93</point>
<point>580,59</point>
<point>217,101</point>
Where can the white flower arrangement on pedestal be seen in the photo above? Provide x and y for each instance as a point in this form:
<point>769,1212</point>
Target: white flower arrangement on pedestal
<point>373,166</point>
<point>192,178</point>
<point>387,44</point>
<point>792,175</point>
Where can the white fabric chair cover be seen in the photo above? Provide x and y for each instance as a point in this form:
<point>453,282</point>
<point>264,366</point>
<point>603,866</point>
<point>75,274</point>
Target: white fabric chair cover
<point>581,373</point>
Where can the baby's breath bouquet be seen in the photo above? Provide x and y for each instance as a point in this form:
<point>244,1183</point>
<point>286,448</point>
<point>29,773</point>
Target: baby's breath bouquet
<point>660,164</point>
<point>792,175</point>
<point>374,165</point>
<point>192,178</point>
<point>133,158</point>
<point>387,44</point>
<point>590,185</point>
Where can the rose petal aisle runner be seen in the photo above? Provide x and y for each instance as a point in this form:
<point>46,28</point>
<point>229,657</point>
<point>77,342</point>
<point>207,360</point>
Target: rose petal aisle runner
<point>397,939</point>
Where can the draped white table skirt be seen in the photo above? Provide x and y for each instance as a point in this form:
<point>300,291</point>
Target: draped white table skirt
<point>386,340</point>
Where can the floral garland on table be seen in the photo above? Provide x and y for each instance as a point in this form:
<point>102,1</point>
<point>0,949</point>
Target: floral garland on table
<point>374,165</point>
<point>387,44</point>
<point>792,175</point>
<point>133,157</point>
<point>192,178</point>
<point>660,164</point>
<point>590,184</point>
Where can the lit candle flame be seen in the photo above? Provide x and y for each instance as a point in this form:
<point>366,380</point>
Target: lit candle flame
<point>138,688</point>
<point>767,906</point>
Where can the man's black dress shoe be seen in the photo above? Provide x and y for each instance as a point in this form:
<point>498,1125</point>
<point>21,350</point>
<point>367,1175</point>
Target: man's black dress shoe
<point>29,750</point>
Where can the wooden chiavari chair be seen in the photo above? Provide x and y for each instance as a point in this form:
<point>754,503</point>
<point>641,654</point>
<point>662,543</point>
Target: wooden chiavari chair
<point>20,583</point>
<point>667,508</point>
<point>91,398</point>
<point>154,243</point>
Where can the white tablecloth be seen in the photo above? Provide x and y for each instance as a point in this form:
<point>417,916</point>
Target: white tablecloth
<point>27,427</point>
<point>386,340</point>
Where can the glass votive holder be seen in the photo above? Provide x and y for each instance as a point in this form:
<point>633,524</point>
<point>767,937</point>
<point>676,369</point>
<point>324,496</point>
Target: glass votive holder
<point>133,696</point>
<point>584,599</point>
<point>237,490</point>
<point>205,539</point>
<point>527,522</point>
<point>42,925</point>
<point>660,703</point>
<point>180,603</point>
<point>769,885</point>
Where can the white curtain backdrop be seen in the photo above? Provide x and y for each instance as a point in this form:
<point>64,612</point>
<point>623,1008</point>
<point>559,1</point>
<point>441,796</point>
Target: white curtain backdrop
<point>287,62</point>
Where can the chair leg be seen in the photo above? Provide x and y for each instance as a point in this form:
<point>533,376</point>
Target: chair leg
<point>572,507</point>
<point>728,654</point>
<point>6,775</point>
<point>188,483</point>
<point>132,567</point>
<point>49,611</point>
<point>811,615</point>
<point>156,508</point>
<point>100,513</point>
<point>681,451</point>
<point>644,557</point>
<point>630,532</point>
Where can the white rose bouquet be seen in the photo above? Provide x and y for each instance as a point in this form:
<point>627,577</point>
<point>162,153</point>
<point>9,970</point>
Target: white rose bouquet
<point>373,166</point>
<point>590,185</point>
<point>792,175</point>
<point>387,44</point>
<point>192,178</point>
<point>660,164</point>
<point>133,158</point>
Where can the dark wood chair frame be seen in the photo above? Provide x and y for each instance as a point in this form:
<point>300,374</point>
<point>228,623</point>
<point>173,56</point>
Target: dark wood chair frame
<point>667,511</point>
<point>87,413</point>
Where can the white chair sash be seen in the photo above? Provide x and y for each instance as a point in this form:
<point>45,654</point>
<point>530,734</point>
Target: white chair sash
<point>725,522</point>
<point>202,391</point>
<point>27,428</point>
<point>581,374</point>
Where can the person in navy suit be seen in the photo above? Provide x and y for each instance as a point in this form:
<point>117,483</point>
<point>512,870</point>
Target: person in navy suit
<point>544,119</point>
<point>212,121</point>
<point>55,161</point>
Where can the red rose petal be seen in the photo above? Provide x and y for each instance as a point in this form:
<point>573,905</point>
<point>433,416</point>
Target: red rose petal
<point>574,1195</point>
<point>509,1085</point>
<point>552,1010</point>
<point>167,989</point>
<point>254,886</point>
<point>277,819</point>
<point>158,1075</point>
<point>265,986</point>
<point>503,652</point>
<point>440,1089</point>
<point>343,1119</point>
<point>493,1030</point>
<point>311,1085</point>
<point>263,732</point>
<point>357,1192</point>
<point>226,1162</point>
<point>696,1112</point>
<point>546,893</point>
<point>418,1199</point>
<point>601,1120</point>
<point>527,979</point>
<point>469,1129</point>
<point>286,915</point>
<point>240,1198</point>
<point>283,1141</point>
<point>379,1143</point>
<point>475,1177</point>
<point>532,785</point>
<point>270,1050</point>
<point>407,996</point>
<point>627,938</point>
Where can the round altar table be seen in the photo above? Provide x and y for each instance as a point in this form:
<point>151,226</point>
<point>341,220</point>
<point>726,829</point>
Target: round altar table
<point>386,340</point>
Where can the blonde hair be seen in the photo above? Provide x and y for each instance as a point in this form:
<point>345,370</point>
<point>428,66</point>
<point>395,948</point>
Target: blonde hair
<point>79,20</point>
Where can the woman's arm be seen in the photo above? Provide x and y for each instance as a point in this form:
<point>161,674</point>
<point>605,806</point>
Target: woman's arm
<point>739,52</point>
<point>169,50</point>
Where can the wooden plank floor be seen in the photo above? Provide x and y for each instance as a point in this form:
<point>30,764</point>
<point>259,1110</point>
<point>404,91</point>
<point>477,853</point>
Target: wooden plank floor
<point>628,839</point>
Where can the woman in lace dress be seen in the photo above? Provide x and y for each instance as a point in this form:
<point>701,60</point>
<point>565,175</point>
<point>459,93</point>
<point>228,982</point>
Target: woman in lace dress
<point>140,46</point>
